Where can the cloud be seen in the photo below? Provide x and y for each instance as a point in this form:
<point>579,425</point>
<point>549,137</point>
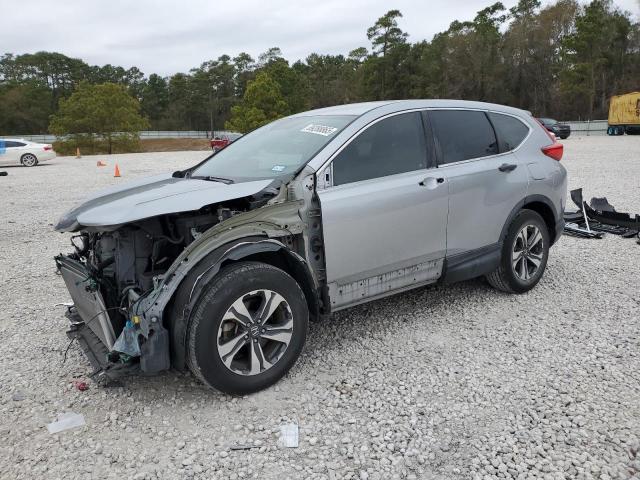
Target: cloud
<point>165,36</point>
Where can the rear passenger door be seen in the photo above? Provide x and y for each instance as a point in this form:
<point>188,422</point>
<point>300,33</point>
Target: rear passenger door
<point>475,151</point>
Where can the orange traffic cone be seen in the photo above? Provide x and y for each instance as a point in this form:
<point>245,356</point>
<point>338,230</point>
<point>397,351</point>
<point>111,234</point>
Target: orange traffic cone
<point>101,163</point>
<point>78,153</point>
<point>117,172</point>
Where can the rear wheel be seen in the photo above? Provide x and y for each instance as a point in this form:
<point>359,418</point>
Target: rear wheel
<point>525,252</point>
<point>29,160</point>
<point>247,329</point>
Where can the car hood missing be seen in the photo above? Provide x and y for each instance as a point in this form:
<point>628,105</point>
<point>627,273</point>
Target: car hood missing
<point>150,197</point>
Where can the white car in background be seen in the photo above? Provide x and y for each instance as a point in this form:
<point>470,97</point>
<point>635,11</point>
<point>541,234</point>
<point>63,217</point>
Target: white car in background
<point>15,151</point>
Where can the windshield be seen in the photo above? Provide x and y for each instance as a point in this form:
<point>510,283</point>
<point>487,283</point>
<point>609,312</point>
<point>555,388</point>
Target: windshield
<point>275,150</point>
<point>548,121</point>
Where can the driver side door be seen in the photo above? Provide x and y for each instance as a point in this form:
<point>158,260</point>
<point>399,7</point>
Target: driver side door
<point>384,212</point>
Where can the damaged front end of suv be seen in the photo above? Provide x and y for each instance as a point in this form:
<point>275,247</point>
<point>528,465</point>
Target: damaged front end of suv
<point>124,278</point>
<point>144,253</point>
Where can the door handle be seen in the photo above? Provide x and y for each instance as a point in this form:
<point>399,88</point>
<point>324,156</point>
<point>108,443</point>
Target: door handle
<point>431,182</point>
<point>507,167</point>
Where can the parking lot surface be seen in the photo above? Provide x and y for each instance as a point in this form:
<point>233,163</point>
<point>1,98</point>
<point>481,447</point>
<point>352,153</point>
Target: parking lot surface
<point>438,383</point>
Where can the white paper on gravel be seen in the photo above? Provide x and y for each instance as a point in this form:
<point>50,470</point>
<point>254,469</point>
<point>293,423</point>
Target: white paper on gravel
<point>66,421</point>
<point>289,435</point>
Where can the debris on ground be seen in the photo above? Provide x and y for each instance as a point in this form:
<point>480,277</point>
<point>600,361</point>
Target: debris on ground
<point>243,447</point>
<point>81,385</point>
<point>18,396</point>
<point>594,219</point>
<point>66,421</point>
<point>289,435</point>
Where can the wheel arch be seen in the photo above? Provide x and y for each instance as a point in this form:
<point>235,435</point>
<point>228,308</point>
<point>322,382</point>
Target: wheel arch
<point>257,249</point>
<point>544,207</point>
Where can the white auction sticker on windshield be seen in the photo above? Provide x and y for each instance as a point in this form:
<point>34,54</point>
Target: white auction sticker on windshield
<point>323,130</point>
<point>278,168</point>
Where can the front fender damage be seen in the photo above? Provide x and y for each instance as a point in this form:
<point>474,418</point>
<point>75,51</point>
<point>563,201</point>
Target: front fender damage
<point>269,228</point>
<point>142,309</point>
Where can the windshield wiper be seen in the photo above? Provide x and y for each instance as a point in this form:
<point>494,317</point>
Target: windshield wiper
<point>211,178</point>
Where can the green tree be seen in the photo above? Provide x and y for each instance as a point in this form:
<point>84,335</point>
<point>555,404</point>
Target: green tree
<point>155,99</point>
<point>389,48</point>
<point>105,112</point>
<point>262,103</point>
<point>24,108</point>
<point>598,48</point>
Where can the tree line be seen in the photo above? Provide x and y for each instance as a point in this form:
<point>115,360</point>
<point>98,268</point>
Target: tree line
<point>563,60</point>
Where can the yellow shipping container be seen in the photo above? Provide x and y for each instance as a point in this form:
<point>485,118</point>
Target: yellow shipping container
<point>624,111</point>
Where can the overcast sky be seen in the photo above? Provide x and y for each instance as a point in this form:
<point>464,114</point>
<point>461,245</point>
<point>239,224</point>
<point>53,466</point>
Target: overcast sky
<point>165,36</point>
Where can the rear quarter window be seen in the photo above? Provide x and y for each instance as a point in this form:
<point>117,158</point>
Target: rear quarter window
<point>511,131</point>
<point>463,135</point>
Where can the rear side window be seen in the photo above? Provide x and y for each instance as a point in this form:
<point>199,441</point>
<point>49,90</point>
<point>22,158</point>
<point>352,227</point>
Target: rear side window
<point>10,144</point>
<point>463,135</point>
<point>393,145</point>
<point>511,131</point>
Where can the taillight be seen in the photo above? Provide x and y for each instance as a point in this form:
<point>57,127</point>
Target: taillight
<point>554,151</point>
<point>47,148</point>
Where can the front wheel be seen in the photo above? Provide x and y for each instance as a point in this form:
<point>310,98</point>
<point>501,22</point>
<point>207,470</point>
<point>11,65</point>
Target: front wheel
<point>525,252</point>
<point>248,328</point>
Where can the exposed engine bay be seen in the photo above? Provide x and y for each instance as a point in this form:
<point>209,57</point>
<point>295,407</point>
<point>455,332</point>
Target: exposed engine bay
<point>114,271</point>
<point>129,257</point>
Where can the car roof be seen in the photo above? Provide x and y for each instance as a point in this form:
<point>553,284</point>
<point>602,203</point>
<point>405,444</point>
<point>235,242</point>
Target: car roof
<point>359,109</point>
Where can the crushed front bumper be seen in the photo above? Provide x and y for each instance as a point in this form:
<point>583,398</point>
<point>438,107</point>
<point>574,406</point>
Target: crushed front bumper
<point>88,301</point>
<point>92,327</point>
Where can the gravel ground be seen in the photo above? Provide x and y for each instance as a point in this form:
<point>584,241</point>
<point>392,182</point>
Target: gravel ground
<point>438,383</point>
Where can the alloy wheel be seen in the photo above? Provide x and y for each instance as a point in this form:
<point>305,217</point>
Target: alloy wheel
<point>29,160</point>
<point>255,332</point>
<point>527,253</point>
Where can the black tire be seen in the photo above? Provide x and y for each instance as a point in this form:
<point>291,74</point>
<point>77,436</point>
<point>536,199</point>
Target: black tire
<point>505,277</point>
<point>231,284</point>
<point>29,160</point>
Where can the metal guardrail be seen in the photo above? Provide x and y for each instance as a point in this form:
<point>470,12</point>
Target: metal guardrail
<point>46,138</point>
<point>588,128</point>
<point>578,128</point>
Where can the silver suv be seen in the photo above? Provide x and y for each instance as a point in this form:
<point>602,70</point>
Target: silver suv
<point>218,268</point>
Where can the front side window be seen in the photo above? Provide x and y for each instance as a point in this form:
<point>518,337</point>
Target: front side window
<point>275,150</point>
<point>463,135</point>
<point>511,131</point>
<point>393,145</point>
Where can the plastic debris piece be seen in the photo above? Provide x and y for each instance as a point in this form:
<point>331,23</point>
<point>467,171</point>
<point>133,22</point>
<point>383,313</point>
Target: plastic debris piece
<point>80,385</point>
<point>66,421</point>
<point>289,435</point>
<point>243,447</point>
<point>127,342</point>
<point>18,396</point>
